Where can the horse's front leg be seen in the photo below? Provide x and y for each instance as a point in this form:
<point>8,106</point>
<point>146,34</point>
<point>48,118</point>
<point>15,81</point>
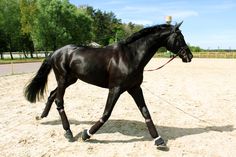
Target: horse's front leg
<point>113,96</point>
<point>137,95</point>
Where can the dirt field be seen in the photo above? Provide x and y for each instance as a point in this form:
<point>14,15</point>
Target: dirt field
<point>192,105</point>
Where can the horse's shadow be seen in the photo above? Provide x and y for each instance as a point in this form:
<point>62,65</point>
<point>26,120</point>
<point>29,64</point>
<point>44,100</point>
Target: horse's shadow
<point>139,132</point>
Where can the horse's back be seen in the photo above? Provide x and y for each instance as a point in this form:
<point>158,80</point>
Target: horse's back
<point>91,65</point>
<point>86,63</point>
<point>65,50</point>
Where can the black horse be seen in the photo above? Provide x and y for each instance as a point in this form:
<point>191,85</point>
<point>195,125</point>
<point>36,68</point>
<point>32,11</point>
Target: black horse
<point>117,67</point>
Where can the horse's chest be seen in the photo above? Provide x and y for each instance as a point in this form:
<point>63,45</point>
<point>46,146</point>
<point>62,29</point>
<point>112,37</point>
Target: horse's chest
<point>133,79</point>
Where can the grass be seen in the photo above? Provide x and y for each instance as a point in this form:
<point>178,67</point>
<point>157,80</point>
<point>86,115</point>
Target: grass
<point>26,60</point>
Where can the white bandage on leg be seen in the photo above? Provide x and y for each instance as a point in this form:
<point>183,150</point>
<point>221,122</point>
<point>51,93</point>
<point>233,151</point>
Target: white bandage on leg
<point>101,120</point>
<point>89,133</point>
<point>157,138</point>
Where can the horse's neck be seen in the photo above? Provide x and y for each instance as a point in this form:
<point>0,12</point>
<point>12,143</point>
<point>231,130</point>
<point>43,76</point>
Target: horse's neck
<point>145,50</point>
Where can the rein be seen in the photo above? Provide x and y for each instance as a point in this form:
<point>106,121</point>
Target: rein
<point>163,64</point>
<point>183,48</point>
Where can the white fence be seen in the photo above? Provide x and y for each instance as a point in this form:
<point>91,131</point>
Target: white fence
<point>20,55</point>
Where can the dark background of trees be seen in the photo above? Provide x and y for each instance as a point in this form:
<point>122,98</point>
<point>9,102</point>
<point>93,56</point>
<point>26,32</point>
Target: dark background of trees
<point>30,25</point>
<point>27,26</point>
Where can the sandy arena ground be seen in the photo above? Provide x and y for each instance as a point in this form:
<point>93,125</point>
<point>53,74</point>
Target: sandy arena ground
<point>192,105</point>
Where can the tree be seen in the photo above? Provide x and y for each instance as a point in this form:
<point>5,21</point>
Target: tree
<point>45,32</point>
<point>3,43</point>
<point>195,48</point>
<point>105,25</point>
<point>10,24</point>
<point>28,10</point>
<point>26,25</point>
<point>59,23</point>
<point>130,28</point>
<point>79,26</point>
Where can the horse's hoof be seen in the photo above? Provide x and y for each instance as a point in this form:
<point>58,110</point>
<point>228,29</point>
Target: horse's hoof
<point>163,147</point>
<point>160,143</point>
<point>38,118</point>
<point>69,135</point>
<point>85,135</point>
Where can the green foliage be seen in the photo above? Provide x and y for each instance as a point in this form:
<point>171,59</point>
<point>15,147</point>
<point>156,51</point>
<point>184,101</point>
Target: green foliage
<point>28,11</point>
<point>127,30</point>
<point>58,23</point>
<point>162,49</point>
<point>104,25</point>
<point>107,29</point>
<point>195,48</point>
<point>10,24</point>
<point>26,25</point>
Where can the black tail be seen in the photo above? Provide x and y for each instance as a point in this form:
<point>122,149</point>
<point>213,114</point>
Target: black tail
<point>36,87</point>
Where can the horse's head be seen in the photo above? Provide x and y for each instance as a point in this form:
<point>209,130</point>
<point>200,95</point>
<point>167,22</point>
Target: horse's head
<point>177,44</point>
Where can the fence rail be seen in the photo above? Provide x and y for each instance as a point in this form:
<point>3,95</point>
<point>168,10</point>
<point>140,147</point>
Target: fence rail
<point>202,54</point>
<point>21,55</point>
<point>40,54</point>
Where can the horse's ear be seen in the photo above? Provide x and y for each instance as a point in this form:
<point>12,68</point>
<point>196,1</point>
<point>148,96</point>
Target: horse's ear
<point>177,26</point>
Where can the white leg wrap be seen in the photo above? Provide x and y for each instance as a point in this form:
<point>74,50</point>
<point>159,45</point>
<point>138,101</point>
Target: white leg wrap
<point>157,138</point>
<point>61,110</point>
<point>101,120</point>
<point>89,133</point>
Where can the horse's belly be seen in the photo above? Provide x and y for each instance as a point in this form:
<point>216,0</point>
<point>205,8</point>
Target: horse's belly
<point>97,79</point>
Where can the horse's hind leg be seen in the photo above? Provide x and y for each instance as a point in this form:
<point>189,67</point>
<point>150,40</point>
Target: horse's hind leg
<point>60,107</point>
<point>63,83</point>
<point>137,95</point>
<point>51,99</point>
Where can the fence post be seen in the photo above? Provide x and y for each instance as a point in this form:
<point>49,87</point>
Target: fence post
<point>12,68</point>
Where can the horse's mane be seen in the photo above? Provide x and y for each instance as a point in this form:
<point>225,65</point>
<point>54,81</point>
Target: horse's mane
<point>144,32</point>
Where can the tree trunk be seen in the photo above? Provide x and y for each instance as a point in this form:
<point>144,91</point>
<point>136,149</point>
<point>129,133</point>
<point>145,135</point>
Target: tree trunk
<point>46,53</point>
<point>31,54</point>
<point>10,49</point>
<point>36,54</point>
<point>2,55</point>
<point>25,54</point>
<point>11,55</point>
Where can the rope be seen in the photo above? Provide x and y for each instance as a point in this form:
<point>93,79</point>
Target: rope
<point>172,105</point>
<point>163,64</point>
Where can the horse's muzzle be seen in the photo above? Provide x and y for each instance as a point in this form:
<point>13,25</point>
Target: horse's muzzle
<point>187,57</point>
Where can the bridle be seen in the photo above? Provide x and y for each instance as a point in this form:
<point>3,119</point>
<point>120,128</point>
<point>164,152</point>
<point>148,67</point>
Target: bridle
<point>172,58</point>
<point>181,50</point>
<point>184,48</point>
